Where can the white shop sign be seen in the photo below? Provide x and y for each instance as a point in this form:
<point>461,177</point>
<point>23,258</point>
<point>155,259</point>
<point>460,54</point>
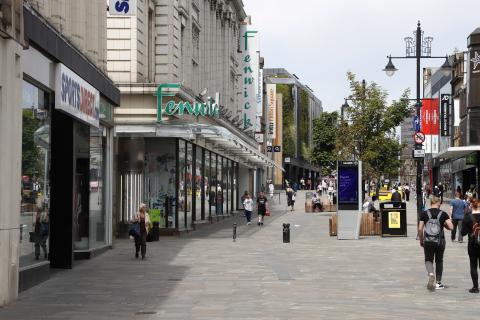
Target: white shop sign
<point>76,97</point>
<point>122,7</point>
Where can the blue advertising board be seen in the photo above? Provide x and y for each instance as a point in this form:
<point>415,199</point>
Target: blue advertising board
<point>348,185</point>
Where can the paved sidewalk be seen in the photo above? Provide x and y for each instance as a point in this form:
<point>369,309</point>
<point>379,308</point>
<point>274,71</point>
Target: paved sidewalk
<point>205,275</point>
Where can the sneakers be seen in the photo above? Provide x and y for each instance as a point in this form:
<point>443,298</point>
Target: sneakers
<point>439,286</point>
<point>249,223</point>
<point>473,290</point>
<point>431,281</point>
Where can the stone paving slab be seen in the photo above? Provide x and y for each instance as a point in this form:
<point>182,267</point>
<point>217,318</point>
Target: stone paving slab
<point>205,275</point>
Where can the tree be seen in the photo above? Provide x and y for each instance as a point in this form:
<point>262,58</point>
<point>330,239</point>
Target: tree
<point>324,136</point>
<point>368,133</point>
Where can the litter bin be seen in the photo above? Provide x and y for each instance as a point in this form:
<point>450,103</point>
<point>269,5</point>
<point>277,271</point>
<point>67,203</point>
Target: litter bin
<point>394,219</point>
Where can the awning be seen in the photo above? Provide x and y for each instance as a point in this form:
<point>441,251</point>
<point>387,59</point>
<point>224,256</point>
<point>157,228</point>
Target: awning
<point>456,152</point>
<point>222,140</point>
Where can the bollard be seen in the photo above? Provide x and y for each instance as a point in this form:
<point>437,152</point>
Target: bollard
<point>286,233</point>
<point>234,232</point>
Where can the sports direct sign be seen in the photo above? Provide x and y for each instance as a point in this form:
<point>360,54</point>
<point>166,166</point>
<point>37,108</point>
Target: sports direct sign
<point>122,7</point>
<point>76,97</point>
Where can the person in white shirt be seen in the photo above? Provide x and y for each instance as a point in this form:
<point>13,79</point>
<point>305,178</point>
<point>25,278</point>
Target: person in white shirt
<point>248,206</point>
<point>271,188</point>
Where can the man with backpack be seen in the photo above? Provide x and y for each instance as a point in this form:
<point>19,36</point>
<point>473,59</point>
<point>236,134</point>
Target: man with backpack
<point>432,239</point>
<point>471,226</point>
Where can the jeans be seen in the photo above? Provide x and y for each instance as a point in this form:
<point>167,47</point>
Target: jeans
<point>457,222</point>
<point>40,241</point>
<point>141,243</point>
<point>434,251</point>
<point>219,209</point>
<point>248,215</point>
<point>474,256</point>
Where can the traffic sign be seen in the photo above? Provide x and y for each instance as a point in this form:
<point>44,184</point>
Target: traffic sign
<point>277,148</point>
<point>419,153</point>
<point>419,137</point>
<point>269,148</point>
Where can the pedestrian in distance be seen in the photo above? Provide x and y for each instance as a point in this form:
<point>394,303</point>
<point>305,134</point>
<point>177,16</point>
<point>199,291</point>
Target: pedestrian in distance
<point>457,212</point>
<point>396,196</point>
<point>271,188</point>
<point>143,220</point>
<point>290,197</point>
<point>248,206</point>
<point>262,203</point>
<point>407,193</point>
<point>432,239</point>
<point>471,227</point>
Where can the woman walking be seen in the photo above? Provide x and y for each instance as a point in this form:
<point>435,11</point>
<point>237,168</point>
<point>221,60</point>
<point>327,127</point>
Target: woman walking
<point>470,224</point>
<point>290,197</point>
<point>143,220</point>
<point>248,206</point>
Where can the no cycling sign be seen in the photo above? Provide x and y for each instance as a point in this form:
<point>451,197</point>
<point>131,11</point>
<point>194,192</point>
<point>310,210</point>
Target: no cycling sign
<point>419,137</point>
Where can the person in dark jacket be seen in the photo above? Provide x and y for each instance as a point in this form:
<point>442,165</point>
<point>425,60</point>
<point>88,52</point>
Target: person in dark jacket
<point>473,249</point>
<point>396,196</point>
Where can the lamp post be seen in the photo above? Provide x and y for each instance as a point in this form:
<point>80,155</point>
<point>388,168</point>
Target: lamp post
<point>419,49</point>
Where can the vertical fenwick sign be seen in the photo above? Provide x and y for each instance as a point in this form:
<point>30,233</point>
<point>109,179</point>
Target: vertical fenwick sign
<point>249,47</point>
<point>445,115</point>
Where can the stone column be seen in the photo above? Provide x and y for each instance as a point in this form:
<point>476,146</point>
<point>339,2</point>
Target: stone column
<point>10,171</point>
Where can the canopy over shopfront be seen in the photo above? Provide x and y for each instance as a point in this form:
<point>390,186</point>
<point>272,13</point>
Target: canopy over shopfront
<point>457,152</point>
<point>217,138</point>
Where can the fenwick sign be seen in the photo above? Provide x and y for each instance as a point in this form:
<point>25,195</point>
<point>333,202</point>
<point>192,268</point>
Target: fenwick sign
<point>172,108</point>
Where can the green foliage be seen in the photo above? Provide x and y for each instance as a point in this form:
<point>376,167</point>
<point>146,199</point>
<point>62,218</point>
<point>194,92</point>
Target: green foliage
<point>304,125</point>
<point>324,135</point>
<point>369,133</point>
<point>288,118</point>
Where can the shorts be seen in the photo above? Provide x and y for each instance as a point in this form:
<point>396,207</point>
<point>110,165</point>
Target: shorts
<point>261,212</point>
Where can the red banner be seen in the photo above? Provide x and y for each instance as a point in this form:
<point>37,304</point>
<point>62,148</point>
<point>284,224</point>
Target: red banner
<point>430,117</point>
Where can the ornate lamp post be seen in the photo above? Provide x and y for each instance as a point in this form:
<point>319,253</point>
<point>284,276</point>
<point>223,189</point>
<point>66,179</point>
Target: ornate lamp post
<point>418,48</point>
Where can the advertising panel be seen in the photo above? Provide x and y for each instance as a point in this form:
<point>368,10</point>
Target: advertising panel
<point>445,106</point>
<point>347,185</point>
<point>272,110</point>
<point>430,124</point>
<point>76,97</point>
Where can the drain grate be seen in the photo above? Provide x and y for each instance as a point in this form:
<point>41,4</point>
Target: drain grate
<point>139,313</point>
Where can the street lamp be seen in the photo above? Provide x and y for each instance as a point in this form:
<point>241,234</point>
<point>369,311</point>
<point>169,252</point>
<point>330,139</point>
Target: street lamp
<point>390,68</point>
<point>420,49</point>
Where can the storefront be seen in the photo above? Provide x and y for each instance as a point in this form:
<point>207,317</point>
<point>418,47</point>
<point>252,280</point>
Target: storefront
<point>190,169</point>
<point>67,139</point>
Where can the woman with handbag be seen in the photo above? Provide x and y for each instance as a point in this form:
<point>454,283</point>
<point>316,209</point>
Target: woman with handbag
<point>40,236</point>
<point>142,221</point>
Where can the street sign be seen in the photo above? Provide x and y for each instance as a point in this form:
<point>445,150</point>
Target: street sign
<point>416,124</point>
<point>287,160</point>
<point>419,137</point>
<point>277,148</point>
<point>269,148</point>
<point>419,153</point>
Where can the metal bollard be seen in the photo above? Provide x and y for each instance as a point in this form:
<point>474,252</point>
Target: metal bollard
<point>286,233</point>
<point>234,232</point>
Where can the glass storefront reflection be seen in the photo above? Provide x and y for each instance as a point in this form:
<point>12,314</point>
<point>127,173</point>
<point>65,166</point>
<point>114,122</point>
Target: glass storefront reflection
<point>35,189</point>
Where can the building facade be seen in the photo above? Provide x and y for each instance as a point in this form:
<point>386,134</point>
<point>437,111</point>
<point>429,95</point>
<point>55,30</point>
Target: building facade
<point>61,139</point>
<point>296,109</point>
<point>183,146</point>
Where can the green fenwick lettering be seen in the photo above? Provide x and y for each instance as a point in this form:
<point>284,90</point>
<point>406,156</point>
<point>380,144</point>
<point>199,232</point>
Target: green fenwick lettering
<point>248,34</point>
<point>183,107</point>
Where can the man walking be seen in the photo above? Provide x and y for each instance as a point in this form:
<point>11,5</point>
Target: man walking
<point>432,239</point>
<point>261,207</point>
<point>457,212</point>
<point>396,196</point>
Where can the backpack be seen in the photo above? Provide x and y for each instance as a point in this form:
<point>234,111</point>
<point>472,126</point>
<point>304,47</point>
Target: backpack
<point>433,231</point>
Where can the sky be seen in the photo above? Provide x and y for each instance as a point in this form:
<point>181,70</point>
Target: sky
<point>321,40</point>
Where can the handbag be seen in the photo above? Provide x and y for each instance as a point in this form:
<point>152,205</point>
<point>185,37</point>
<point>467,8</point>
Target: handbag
<point>134,230</point>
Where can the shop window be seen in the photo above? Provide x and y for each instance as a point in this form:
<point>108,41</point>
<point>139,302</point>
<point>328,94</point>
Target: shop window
<point>160,180</point>
<point>474,129</point>
<point>199,195</point>
<point>35,188</point>
<point>219,186</point>
<point>213,184</point>
<point>225,185</point>
<point>182,204</point>
<point>206,181</point>
<point>97,223</point>
<point>189,186</point>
